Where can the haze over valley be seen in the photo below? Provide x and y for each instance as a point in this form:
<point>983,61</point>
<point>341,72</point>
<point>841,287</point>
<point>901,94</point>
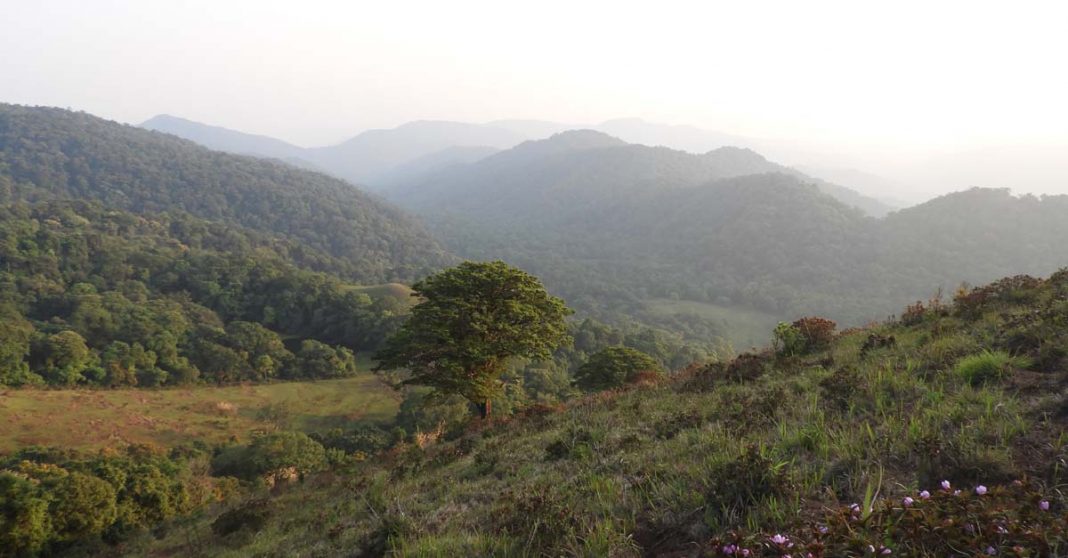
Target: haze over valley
<point>418,279</point>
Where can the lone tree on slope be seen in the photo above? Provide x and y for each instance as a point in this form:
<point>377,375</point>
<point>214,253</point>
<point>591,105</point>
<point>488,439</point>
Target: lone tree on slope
<point>472,319</point>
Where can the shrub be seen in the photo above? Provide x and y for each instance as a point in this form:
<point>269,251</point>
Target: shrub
<point>1018,289</point>
<point>746,367</point>
<point>25,524</point>
<point>84,507</point>
<point>741,483</point>
<point>840,388</point>
<point>616,366</point>
<point>574,443</point>
<point>987,366</point>
<point>788,340</point>
<point>817,333</point>
<point>251,516</point>
<point>876,341</point>
<point>671,426</point>
<point>270,453</point>
<point>803,336</point>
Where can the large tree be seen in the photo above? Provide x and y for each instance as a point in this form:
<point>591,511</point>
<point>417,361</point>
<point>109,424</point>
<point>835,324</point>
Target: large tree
<point>471,320</point>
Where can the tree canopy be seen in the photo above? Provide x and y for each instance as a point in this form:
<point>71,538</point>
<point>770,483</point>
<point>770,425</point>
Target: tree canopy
<point>614,367</point>
<point>471,320</point>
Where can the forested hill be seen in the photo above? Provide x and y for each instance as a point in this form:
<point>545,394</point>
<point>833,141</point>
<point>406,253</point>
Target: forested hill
<point>48,153</point>
<point>622,227</point>
<point>593,168</point>
<point>95,295</point>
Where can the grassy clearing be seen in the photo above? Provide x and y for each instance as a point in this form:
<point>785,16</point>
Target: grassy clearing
<point>744,327</point>
<point>398,291</point>
<point>85,419</point>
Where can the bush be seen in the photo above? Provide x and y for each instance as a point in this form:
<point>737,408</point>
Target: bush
<point>817,333</point>
<point>25,524</point>
<point>788,341</point>
<point>269,454</point>
<point>741,483</point>
<point>84,507</point>
<point>987,366</point>
<point>616,366</point>
<point>803,336</point>
<point>746,367</point>
<point>250,516</point>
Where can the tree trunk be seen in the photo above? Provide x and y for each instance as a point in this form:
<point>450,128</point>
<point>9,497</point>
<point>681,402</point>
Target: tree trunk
<point>484,409</point>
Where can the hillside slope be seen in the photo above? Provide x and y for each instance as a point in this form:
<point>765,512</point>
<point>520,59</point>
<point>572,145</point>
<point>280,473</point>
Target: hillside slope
<point>971,396</point>
<point>50,153</point>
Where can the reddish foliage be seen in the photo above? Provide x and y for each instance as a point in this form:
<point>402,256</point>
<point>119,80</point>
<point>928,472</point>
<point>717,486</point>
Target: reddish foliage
<point>972,302</point>
<point>817,332</point>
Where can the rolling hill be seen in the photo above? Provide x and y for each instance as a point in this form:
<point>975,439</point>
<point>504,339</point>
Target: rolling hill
<point>48,153</point>
<point>383,159</point>
<point>610,224</point>
<point>369,158</point>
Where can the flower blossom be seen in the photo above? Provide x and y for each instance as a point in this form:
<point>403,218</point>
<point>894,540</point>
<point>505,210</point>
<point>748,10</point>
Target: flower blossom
<point>1044,505</point>
<point>907,501</point>
<point>925,495</point>
<point>945,485</point>
<point>980,490</point>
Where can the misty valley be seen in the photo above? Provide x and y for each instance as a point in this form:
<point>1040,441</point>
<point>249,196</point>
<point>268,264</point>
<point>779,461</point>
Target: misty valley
<point>578,279</point>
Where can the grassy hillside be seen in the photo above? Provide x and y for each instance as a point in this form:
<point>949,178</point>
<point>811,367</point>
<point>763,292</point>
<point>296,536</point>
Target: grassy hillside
<point>806,448</point>
<point>84,419</point>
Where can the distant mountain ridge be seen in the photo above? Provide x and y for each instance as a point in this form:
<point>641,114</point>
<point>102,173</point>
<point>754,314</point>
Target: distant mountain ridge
<point>384,158</point>
<point>602,220</point>
<point>584,161</point>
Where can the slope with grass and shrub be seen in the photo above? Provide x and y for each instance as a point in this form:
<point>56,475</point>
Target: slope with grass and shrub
<point>879,442</point>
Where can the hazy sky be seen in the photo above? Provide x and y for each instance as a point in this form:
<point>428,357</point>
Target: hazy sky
<point>852,75</point>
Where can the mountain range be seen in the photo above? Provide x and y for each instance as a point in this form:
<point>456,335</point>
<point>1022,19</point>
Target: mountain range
<point>603,220</point>
<point>623,231</point>
<point>380,158</point>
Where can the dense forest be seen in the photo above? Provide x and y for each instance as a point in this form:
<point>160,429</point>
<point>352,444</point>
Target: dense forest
<point>610,226</point>
<point>50,153</point>
<point>102,296</point>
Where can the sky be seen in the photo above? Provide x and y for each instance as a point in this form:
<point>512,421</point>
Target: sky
<point>879,83</point>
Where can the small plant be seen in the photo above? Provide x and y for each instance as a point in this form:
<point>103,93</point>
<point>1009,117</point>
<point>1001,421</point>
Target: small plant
<point>788,341</point>
<point>673,425</point>
<point>746,367</point>
<point>738,484</point>
<point>988,366</point>
<point>876,341</point>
